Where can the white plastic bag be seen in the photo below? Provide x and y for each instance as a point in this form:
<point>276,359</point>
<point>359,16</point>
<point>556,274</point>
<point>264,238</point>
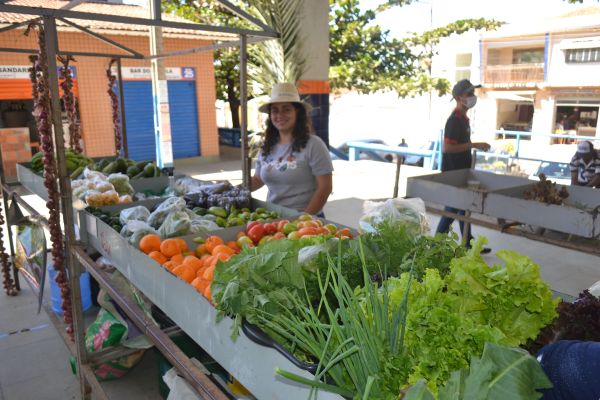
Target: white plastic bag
<point>410,212</point>
<point>179,389</point>
<point>138,213</point>
<point>595,289</point>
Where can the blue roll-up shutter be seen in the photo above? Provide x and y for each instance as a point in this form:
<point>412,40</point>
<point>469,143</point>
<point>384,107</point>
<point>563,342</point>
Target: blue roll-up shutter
<point>140,119</point>
<point>184,119</point>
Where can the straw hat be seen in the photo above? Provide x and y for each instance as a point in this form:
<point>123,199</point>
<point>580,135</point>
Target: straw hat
<point>284,93</point>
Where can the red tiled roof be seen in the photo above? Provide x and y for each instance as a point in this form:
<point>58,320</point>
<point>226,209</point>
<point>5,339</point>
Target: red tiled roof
<point>123,10</point>
<point>592,10</point>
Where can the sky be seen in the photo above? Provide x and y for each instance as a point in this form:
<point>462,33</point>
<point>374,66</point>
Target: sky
<point>416,17</point>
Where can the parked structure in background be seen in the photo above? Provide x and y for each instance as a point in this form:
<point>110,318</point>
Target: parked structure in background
<point>542,77</point>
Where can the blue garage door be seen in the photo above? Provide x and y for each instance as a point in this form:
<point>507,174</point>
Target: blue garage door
<point>140,120</point>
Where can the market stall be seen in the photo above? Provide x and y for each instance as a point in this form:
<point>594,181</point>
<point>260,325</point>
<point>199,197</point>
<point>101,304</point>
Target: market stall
<point>289,304</point>
<point>43,23</point>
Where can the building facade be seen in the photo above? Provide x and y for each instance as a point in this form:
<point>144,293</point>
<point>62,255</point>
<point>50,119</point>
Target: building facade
<point>191,83</point>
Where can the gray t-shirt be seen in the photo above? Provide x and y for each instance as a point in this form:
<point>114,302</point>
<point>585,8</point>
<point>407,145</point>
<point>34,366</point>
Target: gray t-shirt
<point>290,176</point>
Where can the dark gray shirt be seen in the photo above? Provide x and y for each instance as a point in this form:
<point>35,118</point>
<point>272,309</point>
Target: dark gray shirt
<point>290,176</point>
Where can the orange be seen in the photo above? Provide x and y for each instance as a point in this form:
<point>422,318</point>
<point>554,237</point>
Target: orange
<point>234,246</point>
<point>211,261</point>
<point>185,273</point>
<point>222,257</point>
<point>177,258</point>
<point>200,272</point>
<point>170,247</point>
<point>209,273</point>
<point>150,243</point>
<point>201,250</point>
<point>207,293</point>
<point>223,249</point>
<point>197,283</point>
<point>158,257</point>
<point>170,265</point>
<point>212,242</point>
<point>182,245</point>
<point>193,262</point>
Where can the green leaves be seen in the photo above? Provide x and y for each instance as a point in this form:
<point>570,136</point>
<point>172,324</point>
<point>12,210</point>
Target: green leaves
<point>501,373</point>
<point>366,58</point>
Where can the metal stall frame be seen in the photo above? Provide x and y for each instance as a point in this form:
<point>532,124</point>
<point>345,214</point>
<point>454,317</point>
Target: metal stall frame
<point>75,254</point>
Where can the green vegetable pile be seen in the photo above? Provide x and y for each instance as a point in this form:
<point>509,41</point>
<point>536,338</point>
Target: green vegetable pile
<point>74,162</point>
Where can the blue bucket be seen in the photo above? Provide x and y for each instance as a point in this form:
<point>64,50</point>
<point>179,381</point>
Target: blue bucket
<point>84,283</point>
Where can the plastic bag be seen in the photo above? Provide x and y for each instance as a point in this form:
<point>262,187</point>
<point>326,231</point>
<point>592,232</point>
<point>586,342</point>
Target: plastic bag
<point>179,389</point>
<point>135,231</point>
<point>158,216</point>
<point>199,225</point>
<point>97,199</point>
<point>139,213</point>
<point>595,289</point>
<point>125,199</point>
<point>121,183</point>
<point>89,174</point>
<point>410,212</point>
<point>177,223</point>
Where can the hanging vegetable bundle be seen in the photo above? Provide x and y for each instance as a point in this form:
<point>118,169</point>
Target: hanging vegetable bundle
<point>114,102</point>
<point>7,281</point>
<point>69,102</point>
<point>43,118</point>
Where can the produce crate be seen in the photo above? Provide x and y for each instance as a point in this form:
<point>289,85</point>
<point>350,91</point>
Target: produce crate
<point>253,365</point>
<point>578,215</point>
<point>450,188</point>
<point>35,183</point>
<point>230,137</point>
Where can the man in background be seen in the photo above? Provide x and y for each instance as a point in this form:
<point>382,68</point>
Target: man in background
<point>456,149</point>
<point>585,166</point>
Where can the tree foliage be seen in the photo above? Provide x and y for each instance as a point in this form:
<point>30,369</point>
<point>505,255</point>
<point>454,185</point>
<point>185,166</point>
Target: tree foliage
<point>269,62</point>
<point>366,58</point>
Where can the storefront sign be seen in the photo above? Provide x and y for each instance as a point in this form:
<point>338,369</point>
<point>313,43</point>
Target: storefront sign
<point>144,73</point>
<point>22,71</point>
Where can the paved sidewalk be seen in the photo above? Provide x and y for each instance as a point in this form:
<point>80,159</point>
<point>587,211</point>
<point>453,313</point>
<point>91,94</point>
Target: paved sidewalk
<point>35,363</point>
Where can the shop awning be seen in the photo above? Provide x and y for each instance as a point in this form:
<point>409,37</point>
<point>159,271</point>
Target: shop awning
<point>580,43</point>
<point>513,95</point>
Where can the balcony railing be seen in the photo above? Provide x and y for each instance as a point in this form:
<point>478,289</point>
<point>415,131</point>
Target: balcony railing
<point>514,73</point>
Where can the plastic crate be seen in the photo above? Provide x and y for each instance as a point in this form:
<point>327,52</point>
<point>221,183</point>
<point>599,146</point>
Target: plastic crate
<point>230,137</point>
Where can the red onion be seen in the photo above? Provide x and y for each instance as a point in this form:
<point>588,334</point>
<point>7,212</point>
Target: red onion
<point>43,118</point>
<point>114,101</point>
<point>69,102</point>
<point>7,281</point>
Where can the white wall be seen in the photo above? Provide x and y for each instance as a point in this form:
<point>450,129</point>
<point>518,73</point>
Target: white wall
<point>315,33</point>
<point>574,74</point>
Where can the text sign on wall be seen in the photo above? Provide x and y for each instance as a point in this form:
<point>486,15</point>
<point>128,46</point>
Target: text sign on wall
<point>22,71</point>
<point>144,73</point>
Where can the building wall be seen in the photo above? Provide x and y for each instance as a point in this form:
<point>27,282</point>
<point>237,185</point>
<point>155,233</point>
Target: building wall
<point>561,73</point>
<point>95,109</point>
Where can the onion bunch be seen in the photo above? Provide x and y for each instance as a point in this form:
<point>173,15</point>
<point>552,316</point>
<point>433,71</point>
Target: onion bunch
<point>114,102</point>
<point>43,117</point>
<point>69,102</point>
<point>7,281</point>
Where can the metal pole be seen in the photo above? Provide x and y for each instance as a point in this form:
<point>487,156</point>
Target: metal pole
<point>399,160</point>
<point>122,110</point>
<point>51,42</point>
<point>244,111</point>
<point>201,383</point>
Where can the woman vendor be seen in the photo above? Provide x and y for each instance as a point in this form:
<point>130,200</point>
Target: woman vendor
<point>293,162</point>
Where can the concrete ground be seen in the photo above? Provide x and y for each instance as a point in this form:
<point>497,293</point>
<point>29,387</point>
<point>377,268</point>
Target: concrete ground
<point>34,362</point>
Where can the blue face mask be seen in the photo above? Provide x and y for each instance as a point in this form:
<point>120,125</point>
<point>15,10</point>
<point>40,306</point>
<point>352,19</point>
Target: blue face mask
<point>470,101</point>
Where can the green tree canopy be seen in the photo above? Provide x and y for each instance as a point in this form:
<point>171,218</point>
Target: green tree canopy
<point>366,58</point>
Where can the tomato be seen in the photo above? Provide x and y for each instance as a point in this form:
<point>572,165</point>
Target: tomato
<point>308,231</point>
<point>256,233</point>
<point>270,228</point>
<point>251,225</point>
<point>244,241</point>
<point>240,234</point>
<point>281,224</point>
<point>265,239</point>
<point>278,235</point>
<point>293,235</point>
<point>344,232</point>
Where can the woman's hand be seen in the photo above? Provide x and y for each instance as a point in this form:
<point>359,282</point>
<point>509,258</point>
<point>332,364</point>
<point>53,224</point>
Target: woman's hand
<point>319,198</point>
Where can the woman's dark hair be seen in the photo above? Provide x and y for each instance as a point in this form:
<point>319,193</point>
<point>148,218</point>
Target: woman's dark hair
<point>300,133</point>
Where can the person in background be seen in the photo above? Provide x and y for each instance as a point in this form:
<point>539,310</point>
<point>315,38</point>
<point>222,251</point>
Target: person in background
<point>585,166</point>
<point>572,121</point>
<point>293,162</point>
<point>456,149</point>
